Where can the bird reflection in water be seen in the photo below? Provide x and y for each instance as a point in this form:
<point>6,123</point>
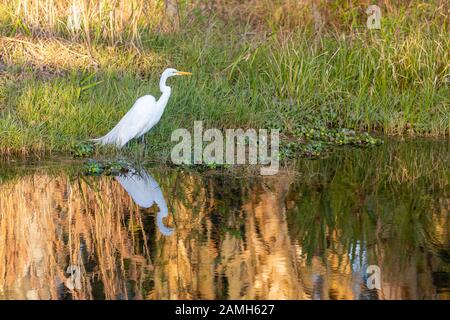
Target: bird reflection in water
<point>145,191</point>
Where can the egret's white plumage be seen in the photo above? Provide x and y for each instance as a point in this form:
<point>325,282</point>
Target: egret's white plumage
<point>145,191</point>
<point>145,113</point>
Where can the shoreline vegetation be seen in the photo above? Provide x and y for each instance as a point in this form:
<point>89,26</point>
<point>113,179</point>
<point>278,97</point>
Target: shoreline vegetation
<point>69,70</point>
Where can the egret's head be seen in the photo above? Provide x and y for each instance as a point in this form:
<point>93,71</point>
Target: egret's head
<point>170,72</point>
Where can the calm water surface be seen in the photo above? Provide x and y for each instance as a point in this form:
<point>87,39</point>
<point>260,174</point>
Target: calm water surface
<point>311,232</point>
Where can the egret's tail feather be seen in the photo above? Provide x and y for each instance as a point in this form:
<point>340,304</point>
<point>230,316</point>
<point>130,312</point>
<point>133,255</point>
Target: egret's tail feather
<point>96,140</point>
<point>100,140</point>
<point>109,138</point>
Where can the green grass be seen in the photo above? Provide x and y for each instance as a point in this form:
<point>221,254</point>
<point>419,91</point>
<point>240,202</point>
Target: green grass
<point>390,81</point>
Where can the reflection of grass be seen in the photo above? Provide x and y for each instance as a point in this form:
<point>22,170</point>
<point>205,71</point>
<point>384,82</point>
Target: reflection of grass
<point>60,88</point>
<point>391,201</point>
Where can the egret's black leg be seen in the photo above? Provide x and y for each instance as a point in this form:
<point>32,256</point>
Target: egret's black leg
<point>143,144</point>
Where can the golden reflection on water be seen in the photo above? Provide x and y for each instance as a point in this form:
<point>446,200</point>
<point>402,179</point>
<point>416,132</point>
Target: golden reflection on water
<point>267,238</point>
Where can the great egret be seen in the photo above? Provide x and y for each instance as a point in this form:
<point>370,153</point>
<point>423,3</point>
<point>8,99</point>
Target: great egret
<point>145,113</point>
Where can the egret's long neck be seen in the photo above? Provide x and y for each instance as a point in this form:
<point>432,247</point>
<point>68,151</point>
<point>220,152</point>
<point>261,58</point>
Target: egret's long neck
<point>165,92</point>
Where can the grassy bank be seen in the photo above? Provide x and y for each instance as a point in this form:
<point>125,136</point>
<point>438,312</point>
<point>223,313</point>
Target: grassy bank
<point>271,66</point>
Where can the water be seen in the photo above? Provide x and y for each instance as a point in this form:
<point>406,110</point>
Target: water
<point>311,232</point>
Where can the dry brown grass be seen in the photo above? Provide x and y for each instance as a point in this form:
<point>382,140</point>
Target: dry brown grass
<point>125,21</point>
<point>49,56</point>
<point>41,53</point>
<point>115,21</point>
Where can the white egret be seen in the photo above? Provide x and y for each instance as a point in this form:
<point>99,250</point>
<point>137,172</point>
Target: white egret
<point>145,113</point>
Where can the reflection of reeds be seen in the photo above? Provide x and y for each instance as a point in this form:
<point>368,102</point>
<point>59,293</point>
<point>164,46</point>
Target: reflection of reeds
<point>268,238</point>
<point>49,223</point>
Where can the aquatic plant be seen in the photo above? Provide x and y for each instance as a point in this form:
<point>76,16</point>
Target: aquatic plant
<point>317,141</point>
<point>82,150</point>
<point>95,167</point>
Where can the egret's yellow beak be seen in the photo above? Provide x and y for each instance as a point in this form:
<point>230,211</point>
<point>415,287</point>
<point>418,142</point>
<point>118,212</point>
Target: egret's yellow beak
<point>182,73</point>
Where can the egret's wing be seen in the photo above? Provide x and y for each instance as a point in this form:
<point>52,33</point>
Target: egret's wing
<point>152,121</point>
<point>132,123</point>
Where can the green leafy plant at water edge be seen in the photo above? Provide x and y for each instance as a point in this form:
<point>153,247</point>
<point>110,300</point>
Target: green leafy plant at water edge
<point>82,150</point>
<point>314,142</point>
<point>94,167</point>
